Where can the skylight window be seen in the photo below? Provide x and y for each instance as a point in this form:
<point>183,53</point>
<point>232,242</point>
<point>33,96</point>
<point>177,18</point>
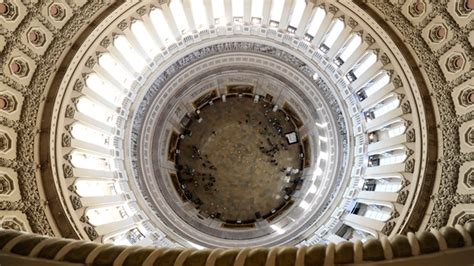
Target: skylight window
<point>95,188</point>
<point>129,53</point>
<point>238,8</point>
<point>350,48</point>
<point>144,38</point>
<point>106,215</point>
<point>89,161</point>
<point>176,7</point>
<point>257,8</point>
<point>365,64</point>
<point>161,26</point>
<point>96,111</point>
<point>219,11</point>
<point>334,32</point>
<point>199,13</point>
<point>115,69</point>
<point>87,134</point>
<point>379,83</point>
<point>297,13</point>
<point>103,88</point>
<point>277,10</point>
<point>387,106</point>
<point>316,22</point>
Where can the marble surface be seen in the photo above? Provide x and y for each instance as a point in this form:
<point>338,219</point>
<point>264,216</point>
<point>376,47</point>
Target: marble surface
<point>235,161</point>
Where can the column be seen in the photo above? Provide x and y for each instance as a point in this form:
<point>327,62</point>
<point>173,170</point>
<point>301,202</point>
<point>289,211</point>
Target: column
<point>210,15</point>
<point>189,14</point>
<point>81,172</point>
<point>228,11</point>
<point>378,196</point>
<point>267,8</point>
<point>364,221</point>
<point>152,31</point>
<point>170,20</point>
<point>247,11</point>
<point>102,201</point>
<point>305,19</point>
<point>322,30</point>
<point>285,16</point>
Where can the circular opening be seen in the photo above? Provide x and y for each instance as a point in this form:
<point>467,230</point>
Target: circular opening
<point>240,160</point>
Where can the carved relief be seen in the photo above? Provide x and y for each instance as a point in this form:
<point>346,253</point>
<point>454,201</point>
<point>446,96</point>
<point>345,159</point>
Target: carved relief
<point>411,136</point>
<point>66,140</point>
<point>410,166</point>
<point>76,202</point>
<point>466,98</point>
<point>469,178</point>
<point>57,11</point>
<point>417,8</point>
<point>68,172</point>
<point>438,33</point>
<point>36,37</point>
<point>455,63</point>
<point>469,136</point>
<point>19,67</point>
<point>5,142</point>
<point>91,233</point>
<point>90,63</point>
<point>13,223</point>
<point>6,185</point>
<point>8,102</point>
<point>8,10</point>
<point>402,197</point>
<point>70,111</point>
<point>388,228</point>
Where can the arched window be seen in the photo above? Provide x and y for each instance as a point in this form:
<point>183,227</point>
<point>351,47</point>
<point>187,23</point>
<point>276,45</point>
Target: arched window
<point>334,32</point>
<point>106,215</point>
<point>176,7</point>
<point>116,70</point>
<point>297,13</point>
<point>126,238</point>
<point>382,184</point>
<point>87,134</point>
<point>141,33</point>
<point>89,161</point>
<point>257,10</point>
<point>276,12</point>
<point>129,53</point>
<point>315,24</point>
<point>161,26</point>
<point>96,111</point>
<point>95,188</point>
<point>372,211</point>
<point>218,11</point>
<point>105,89</point>
<point>394,156</point>
<point>348,49</point>
<point>238,9</point>
<point>384,106</point>
<point>199,14</point>
<point>389,130</point>
<point>364,64</point>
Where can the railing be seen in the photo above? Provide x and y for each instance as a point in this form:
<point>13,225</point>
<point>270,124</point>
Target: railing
<point>449,245</point>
